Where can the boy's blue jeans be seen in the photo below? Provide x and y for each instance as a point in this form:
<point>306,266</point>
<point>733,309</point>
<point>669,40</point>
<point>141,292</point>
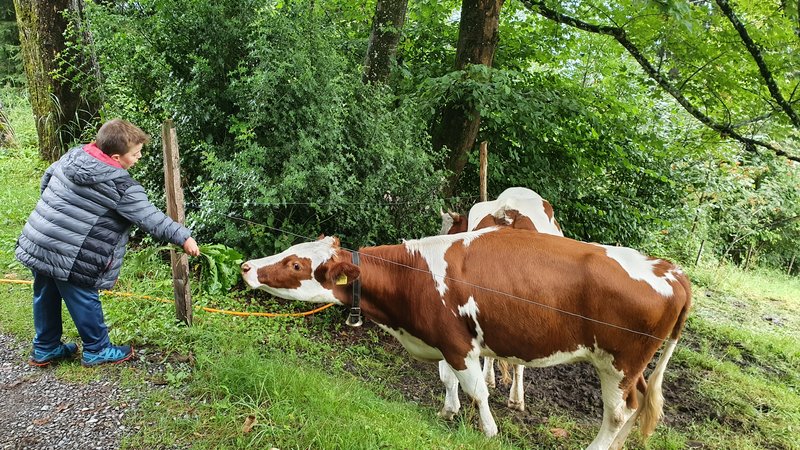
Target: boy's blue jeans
<point>83,305</point>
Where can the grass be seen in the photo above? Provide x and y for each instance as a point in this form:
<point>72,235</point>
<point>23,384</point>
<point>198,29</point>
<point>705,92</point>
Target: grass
<point>314,383</point>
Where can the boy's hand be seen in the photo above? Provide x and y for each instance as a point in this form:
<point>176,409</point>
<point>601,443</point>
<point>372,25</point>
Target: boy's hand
<point>191,248</point>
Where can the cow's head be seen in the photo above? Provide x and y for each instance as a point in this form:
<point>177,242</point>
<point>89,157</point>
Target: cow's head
<point>311,272</point>
<point>452,223</point>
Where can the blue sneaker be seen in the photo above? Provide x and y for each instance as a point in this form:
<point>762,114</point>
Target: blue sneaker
<point>113,355</point>
<point>41,358</point>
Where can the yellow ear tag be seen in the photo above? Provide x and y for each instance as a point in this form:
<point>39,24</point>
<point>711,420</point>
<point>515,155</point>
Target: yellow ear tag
<point>342,280</point>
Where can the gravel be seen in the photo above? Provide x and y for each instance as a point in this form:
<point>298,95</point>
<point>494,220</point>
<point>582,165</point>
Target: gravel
<point>40,411</point>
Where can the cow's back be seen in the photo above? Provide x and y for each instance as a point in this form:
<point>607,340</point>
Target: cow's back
<point>517,207</point>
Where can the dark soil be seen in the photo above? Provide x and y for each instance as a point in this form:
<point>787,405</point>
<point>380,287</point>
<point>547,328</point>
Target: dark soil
<point>571,390</point>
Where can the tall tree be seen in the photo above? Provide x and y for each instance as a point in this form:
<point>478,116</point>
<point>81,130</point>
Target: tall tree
<point>58,106</point>
<point>736,76</point>
<point>387,26</point>
<point>459,120</point>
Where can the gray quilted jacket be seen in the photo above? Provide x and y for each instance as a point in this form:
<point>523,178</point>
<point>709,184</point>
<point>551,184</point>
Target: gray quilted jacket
<point>80,226</point>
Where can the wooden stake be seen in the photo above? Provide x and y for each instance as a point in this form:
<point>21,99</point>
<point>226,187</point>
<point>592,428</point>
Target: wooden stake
<point>175,210</point>
<point>484,159</point>
<point>699,252</point>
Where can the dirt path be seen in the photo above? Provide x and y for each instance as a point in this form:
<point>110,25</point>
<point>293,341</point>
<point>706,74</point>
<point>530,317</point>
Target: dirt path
<point>39,411</point>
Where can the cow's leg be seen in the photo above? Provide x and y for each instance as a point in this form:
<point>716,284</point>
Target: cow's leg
<point>615,409</point>
<point>451,402</point>
<point>516,396</point>
<point>473,384</point>
<point>619,440</point>
<point>488,371</point>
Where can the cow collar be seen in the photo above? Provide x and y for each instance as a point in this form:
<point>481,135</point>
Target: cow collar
<point>354,320</point>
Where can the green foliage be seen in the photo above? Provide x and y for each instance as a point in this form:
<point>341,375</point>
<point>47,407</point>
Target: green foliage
<point>280,141</point>
<point>274,125</point>
<point>349,162</point>
<point>11,70</point>
<point>20,126</point>
<point>167,59</point>
<point>627,190</point>
<point>220,268</point>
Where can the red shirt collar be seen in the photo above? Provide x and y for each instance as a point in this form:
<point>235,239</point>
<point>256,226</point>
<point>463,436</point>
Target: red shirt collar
<point>95,151</point>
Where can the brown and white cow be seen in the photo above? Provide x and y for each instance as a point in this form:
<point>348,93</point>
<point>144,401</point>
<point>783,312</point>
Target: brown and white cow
<point>515,207</point>
<point>529,298</point>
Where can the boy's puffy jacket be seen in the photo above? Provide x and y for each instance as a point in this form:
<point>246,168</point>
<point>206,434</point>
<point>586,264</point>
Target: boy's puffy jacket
<point>80,226</point>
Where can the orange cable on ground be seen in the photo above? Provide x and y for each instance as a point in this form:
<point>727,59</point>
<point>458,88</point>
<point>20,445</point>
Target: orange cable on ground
<point>204,308</point>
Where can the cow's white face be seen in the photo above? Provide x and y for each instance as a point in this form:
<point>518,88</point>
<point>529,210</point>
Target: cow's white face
<point>447,223</point>
<point>452,223</point>
<point>293,274</point>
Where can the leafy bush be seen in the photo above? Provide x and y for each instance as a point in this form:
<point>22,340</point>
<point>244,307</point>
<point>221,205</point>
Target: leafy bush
<point>273,122</point>
<point>280,140</point>
<point>315,149</point>
<point>546,135</point>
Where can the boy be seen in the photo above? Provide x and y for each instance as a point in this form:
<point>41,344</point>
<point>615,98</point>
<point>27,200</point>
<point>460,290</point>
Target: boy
<point>74,241</point>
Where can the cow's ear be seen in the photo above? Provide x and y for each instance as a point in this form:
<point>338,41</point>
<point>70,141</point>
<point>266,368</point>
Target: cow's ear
<point>321,237</point>
<point>343,273</point>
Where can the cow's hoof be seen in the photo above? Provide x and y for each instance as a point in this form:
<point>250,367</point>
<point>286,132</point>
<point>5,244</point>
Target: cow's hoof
<point>517,406</point>
<point>490,431</point>
<point>446,414</point>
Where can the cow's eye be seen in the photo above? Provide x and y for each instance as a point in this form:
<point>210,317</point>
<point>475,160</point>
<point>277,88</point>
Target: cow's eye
<point>296,266</point>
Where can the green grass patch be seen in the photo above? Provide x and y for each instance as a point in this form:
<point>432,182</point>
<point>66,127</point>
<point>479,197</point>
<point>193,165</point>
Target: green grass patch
<point>20,117</point>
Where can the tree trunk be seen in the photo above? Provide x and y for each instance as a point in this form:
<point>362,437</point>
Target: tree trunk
<point>390,15</point>
<point>57,106</point>
<point>459,122</point>
<point>6,132</point>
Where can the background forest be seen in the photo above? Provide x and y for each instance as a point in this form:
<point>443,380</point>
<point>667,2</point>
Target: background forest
<point>650,124</point>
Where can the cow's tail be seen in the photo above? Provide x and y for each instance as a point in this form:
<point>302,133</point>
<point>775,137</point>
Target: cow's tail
<point>653,405</point>
<point>505,374</point>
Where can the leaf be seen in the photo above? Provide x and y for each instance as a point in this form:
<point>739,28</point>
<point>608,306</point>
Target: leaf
<point>220,268</point>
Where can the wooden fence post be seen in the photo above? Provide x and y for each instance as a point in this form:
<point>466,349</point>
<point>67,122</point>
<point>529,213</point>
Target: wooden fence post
<point>484,160</point>
<point>175,210</point>
<point>699,252</point>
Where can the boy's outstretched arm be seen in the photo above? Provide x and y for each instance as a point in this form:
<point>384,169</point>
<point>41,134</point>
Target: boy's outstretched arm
<point>135,207</point>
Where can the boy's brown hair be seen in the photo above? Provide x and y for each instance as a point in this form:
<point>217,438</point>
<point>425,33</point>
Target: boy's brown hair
<point>117,136</point>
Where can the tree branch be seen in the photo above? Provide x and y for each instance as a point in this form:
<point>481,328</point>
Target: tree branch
<point>725,130</point>
<point>700,69</point>
<point>755,52</point>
